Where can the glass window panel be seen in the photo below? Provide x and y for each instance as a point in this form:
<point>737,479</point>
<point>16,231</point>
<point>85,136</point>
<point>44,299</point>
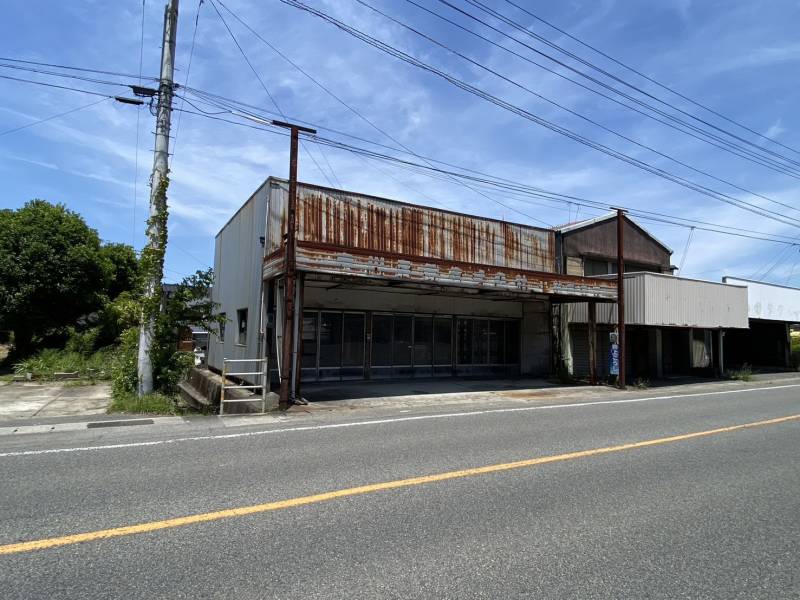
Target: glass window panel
<point>402,340</point>
<point>330,339</point>
<point>241,330</point>
<point>464,343</point>
<point>496,342</point>
<point>309,337</point>
<point>353,340</point>
<point>595,267</point>
<point>442,341</point>
<point>381,340</point>
<point>480,354</point>
<point>423,341</point>
<point>512,342</point>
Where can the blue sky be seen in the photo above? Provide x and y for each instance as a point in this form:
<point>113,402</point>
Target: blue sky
<point>739,57</point>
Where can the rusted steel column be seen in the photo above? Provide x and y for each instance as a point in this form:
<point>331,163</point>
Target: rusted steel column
<point>592,342</point>
<point>297,358</point>
<point>287,363</point>
<point>621,294</point>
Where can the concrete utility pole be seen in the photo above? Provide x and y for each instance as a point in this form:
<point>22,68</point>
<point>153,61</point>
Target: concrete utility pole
<point>157,229</point>
<point>290,319</point>
<point>621,294</point>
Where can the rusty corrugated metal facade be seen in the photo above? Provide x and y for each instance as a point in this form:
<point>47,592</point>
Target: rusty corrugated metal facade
<point>341,233</point>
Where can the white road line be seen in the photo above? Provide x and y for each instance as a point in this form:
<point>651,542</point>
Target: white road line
<point>473,413</point>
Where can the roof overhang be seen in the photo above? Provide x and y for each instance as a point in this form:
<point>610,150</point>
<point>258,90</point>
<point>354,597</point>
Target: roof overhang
<point>321,261</point>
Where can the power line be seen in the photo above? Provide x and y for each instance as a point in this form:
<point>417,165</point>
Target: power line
<point>392,51</point>
<point>652,80</point>
<point>263,85</point>
<point>517,26</point>
<point>186,79</point>
<point>508,189</point>
<point>508,186</point>
<point>570,111</point>
<point>73,68</point>
<point>669,121</point>
<point>221,101</point>
<point>138,119</point>
<point>359,114</point>
<point>51,117</point>
<point>596,205</point>
<point>677,123</point>
<point>53,85</point>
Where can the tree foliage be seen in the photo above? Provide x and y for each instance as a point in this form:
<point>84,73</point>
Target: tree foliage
<point>54,270</point>
<point>122,267</point>
<point>188,305</point>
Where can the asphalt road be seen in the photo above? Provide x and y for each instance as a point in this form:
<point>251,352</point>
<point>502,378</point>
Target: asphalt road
<point>715,516</point>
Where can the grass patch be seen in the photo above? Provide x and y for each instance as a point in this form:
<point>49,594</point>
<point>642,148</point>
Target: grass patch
<point>743,374</point>
<point>151,404</point>
<point>46,363</point>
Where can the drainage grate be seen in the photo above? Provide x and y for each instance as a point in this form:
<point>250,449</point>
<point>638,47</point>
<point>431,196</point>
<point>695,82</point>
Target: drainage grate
<point>119,423</point>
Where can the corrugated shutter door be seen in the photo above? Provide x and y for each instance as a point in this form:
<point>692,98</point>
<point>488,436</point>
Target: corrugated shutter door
<point>580,350</point>
<point>603,350</point>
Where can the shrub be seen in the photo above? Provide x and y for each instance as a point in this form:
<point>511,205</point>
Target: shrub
<point>155,403</point>
<point>123,363</point>
<point>46,363</point>
<point>81,342</point>
<point>743,374</point>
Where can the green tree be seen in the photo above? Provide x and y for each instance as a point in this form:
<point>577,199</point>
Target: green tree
<point>189,304</point>
<point>123,267</point>
<point>52,271</point>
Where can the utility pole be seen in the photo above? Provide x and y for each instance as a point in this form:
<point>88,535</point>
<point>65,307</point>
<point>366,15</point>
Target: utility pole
<point>621,295</point>
<point>289,350</point>
<point>157,225</point>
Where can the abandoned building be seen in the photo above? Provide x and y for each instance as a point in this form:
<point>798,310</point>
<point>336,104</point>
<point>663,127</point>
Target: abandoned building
<point>388,289</point>
<point>392,290</point>
<point>674,325</point>
<point>772,310</point>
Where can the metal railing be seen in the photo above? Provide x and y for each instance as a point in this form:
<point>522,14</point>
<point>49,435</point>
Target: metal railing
<point>263,372</point>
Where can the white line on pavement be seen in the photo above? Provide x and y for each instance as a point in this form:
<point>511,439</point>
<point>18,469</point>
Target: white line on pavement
<point>386,421</point>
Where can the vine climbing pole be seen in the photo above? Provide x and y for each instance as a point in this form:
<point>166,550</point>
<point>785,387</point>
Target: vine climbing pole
<point>152,261</point>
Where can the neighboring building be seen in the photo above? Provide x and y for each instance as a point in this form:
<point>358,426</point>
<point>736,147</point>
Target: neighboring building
<point>390,289</point>
<point>674,325</point>
<point>589,248</point>
<point>772,310</point>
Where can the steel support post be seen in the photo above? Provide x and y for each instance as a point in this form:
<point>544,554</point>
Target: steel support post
<point>621,295</point>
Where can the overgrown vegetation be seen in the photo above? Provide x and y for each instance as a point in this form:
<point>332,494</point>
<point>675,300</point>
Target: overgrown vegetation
<point>745,373</point>
<point>795,337</point>
<point>75,305</point>
<point>641,383</point>
<point>190,304</point>
<point>46,363</point>
<point>56,277</point>
<point>152,404</point>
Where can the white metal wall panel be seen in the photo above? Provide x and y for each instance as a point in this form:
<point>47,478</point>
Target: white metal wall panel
<point>770,302</point>
<point>237,278</point>
<point>663,300</point>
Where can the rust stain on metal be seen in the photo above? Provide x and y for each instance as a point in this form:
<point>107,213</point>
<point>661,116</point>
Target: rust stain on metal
<point>351,233</point>
<point>355,222</point>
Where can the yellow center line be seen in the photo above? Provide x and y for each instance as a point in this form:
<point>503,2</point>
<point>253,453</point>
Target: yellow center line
<point>363,489</point>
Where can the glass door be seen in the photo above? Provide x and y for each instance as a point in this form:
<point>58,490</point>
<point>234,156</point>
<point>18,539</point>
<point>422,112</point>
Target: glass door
<point>330,345</point>
<point>353,346</point>
<point>423,346</point>
<point>442,346</point>
<point>381,347</point>
<point>402,346</point>
<point>308,357</point>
